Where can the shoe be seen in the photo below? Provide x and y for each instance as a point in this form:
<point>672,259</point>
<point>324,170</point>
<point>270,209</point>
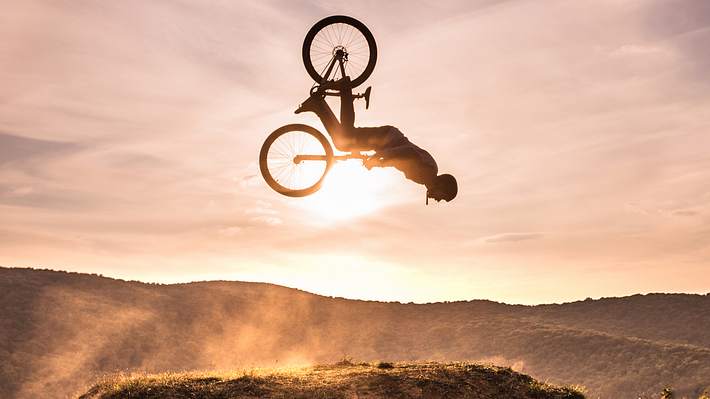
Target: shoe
<point>312,104</point>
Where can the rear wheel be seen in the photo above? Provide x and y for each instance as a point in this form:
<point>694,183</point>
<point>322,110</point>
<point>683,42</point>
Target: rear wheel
<point>294,160</point>
<point>339,35</point>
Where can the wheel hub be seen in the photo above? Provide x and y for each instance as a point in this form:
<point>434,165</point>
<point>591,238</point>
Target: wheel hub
<point>340,52</point>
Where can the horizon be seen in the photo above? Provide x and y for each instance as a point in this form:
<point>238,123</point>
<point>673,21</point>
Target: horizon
<point>356,299</point>
<point>578,132</point>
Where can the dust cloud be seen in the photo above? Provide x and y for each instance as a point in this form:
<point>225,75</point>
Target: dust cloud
<point>61,332</point>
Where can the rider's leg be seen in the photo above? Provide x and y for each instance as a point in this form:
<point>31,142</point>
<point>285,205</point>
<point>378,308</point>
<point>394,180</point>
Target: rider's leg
<point>342,132</point>
<point>320,107</point>
<point>371,138</point>
<point>326,115</point>
<point>347,111</point>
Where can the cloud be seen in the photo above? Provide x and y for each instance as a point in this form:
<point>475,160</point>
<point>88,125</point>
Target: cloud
<point>250,181</point>
<point>55,199</point>
<point>261,208</point>
<point>513,237</point>
<point>231,231</point>
<point>268,220</point>
<point>18,149</point>
<point>685,212</point>
<point>637,50</point>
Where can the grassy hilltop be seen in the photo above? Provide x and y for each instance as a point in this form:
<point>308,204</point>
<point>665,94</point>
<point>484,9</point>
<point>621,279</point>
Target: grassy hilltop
<point>343,380</point>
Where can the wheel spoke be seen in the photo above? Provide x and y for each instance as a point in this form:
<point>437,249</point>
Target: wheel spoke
<point>352,36</point>
<point>335,34</point>
<point>281,173</point>
<point>359,47</point>
<point>326,37</point>
<point>320,51</point>
<point>321,57</point>
<point>298,175</point>
<point>283,148</point>
<point>353,62</point>
<point>337,29</point>
<point>343,31</point>
<point>278,176</point>
<point>331,36</point>
<point>322,44</point>
<point>348,35</point>
<point>280,148</point>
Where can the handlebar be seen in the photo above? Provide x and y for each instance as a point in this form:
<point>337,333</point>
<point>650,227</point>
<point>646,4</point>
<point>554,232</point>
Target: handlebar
<point>327,91</point>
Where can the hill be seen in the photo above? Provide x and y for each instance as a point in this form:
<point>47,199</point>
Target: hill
<point>347,380</point>
<point>59,331</point>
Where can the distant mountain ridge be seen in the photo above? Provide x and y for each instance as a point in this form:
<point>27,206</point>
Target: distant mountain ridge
<point>59,330</point>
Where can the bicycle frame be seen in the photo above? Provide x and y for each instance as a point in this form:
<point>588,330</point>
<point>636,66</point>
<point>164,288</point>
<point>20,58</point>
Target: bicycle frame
<point>339,56</point>
<point>359,155</point>
<point>308,143</point>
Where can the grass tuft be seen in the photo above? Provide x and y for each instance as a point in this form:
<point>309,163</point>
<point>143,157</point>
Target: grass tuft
<point>385,365</point>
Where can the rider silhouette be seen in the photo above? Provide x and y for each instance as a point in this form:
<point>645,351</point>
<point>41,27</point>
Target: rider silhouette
<point>391,147</point>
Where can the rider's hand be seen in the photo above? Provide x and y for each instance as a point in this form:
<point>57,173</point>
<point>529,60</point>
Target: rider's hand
<point>340,84</point>
<point>372,162</point>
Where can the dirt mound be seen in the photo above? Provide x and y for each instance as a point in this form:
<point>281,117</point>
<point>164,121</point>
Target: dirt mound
<point>344,380</point>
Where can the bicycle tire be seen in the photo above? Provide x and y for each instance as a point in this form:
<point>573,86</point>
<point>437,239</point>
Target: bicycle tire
<point>272,181</point>
<point>333,20</point>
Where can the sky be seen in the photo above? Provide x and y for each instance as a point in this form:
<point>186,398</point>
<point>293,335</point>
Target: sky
<point>578,131</point>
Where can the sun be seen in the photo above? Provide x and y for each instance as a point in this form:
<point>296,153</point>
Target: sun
<point>349,191</point>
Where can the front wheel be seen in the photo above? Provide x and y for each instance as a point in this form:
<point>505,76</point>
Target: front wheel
<point>294,160</point>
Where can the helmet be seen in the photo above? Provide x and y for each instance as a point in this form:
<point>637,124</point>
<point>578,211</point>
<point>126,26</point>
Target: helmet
<point>444,187</point>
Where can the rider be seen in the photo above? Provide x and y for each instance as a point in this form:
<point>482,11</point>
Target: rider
<point>391,147</point>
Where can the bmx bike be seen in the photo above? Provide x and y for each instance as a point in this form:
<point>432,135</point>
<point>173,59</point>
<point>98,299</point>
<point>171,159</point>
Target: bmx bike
<point>295,158</point>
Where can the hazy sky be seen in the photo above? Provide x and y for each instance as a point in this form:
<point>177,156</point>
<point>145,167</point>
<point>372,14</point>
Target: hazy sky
<point>579,132</point>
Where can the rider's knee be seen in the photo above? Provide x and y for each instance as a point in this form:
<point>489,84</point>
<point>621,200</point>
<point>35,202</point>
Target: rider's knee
<point>343,143</point>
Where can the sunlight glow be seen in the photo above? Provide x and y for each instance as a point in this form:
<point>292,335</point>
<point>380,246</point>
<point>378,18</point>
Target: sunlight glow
<point>348,191</point>
<point>348,275</point>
